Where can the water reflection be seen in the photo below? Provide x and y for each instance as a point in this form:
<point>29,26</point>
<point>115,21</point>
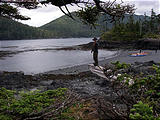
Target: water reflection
<point>41,43</point>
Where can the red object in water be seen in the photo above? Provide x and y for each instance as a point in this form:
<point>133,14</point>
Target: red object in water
<point>138,54</point>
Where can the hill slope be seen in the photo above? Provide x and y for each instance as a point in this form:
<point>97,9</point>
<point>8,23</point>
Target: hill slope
<point>59,28</point>
<point>66,27</point>
<point>10,30</point>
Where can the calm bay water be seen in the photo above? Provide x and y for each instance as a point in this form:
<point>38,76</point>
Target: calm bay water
<point>39,55</point>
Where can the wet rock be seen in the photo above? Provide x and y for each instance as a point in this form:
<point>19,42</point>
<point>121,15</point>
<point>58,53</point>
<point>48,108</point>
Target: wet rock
<point>53,83</point>
<point>17,80</point>
<point>86,83</point>
<point>149,63</point>
<point>148,43</point>
<point>45,83</point>
<point>102,83</point>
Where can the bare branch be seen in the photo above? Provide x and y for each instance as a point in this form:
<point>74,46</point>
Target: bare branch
<point>69,15</point>
<point>56,109</point>
<point>114,10</point>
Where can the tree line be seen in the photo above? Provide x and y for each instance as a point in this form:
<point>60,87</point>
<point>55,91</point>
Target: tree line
<point>134,29</point>
<point>10,30</point>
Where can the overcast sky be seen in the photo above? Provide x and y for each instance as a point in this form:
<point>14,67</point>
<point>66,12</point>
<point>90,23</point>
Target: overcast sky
<point>48,13</point>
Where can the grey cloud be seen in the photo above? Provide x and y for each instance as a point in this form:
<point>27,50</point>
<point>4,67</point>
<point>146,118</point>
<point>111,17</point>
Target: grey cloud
<point>48,8</point>
<point>146,6</point>
<point>50,12</point>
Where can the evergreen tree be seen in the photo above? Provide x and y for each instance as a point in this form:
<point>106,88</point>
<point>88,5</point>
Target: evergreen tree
<point>153,21</point>
<point>158,22</point>
<point>145,24</point>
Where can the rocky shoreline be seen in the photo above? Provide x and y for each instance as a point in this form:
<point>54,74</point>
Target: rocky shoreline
<point>144,44</point>
<point>84,83</point>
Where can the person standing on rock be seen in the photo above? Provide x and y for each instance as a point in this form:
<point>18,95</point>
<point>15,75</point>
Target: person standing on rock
<point>95,51</point>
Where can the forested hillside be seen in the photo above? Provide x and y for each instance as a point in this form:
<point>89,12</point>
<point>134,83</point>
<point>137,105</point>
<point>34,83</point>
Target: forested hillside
<point>12,30</point>
<point>63,27</point>
<point>67,27</point>
<point>134,29</point>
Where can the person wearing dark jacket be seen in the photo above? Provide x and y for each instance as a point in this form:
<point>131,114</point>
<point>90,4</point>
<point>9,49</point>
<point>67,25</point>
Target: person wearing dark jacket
<point>95,51</point>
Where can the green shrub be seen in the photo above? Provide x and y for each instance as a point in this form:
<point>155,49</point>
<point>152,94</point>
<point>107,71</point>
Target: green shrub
<point>146,90</point>
<point>27,102</point>
<point>118,65</point>
<point>151,35</point>
<point>141,111</point>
